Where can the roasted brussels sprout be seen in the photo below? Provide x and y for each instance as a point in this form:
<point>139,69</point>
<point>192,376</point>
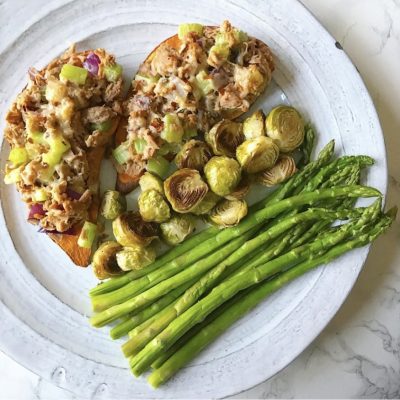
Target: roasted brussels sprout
<point>135,257</point>
<point>185,189</point>
<point>149,181</point>
<point>130,229</point>
<point>223,174</point>
<point>228,212</point>
<point>153,207</point>
<point>194,154</point>
<point>258,154</point>
<point>225,137</point>
<point>113,204</point>
<point>207,204</point>
<point>241,190</point>
<point>253,126</point>
<point>105,261</point>
<point>284,168</point>
<point>177,229</point>
<point>285,126</point>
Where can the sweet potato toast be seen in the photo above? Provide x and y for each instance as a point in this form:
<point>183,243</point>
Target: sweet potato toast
<point>202,77</point>
<point>58,129</point>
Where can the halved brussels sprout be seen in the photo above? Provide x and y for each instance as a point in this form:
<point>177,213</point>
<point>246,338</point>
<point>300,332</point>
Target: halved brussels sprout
<point>241,190</point>
<point>135,257</point>
<point>223,174</point>
<point>228,212</point>
<point>149,181</point>
<point>253,126</point>
<point>105,261</point>
<point>130,229</point>
<point>185,189</point>
<point>113,204</point>
<point>284,168</point>
<point>258,154</point>
<point>225,137</point>
<point>285,125</point>
<point>207,204</point>
<point>194,154</point>
<point>153,207</point>
<point>177,229</point>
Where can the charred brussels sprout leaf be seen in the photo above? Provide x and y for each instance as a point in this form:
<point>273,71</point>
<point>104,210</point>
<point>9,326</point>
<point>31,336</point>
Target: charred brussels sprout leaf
<point>282,170</point>
<point>185,189</point>
<point>194,154</point>
<point>228,212</point>
<point>105,262</point>
<point>207,204</point>
<point>225,137</point>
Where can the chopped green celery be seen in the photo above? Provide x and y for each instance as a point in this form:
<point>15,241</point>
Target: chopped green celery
<point>147,78</point>
<point>40,195</point>
<point>204,83</point>
<point>18,156</point>
<point>168,148</point>
<point>45,175</point>
<point>112,72</point>
<point>158,165</point>
<point>101,126</point>
<point>184,29</point>
<point>173,130</point>
<point>13,175</point>
<point>122,153</point>
<point>221,38</point>
<point>140,145</point>
<point>221,51</point>
<point>58,146</point>
<point>87,235</point>
<point>74,74</point>
<point>37,137</point>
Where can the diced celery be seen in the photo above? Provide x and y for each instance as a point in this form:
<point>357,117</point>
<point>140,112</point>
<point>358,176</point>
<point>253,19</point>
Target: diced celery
<point>122,153</point>
<point>221,51</point>
<point>204,83</point>
<point>112,72</point>
<point>37,137</point>
<point>158,165</point>
<point>140,145</point>
<point>184,29</point>
<point>18,156</point>
<point>40,195</point>
<point>147,78</point>
<point>168,148</point>
<point>58,146</point>
<point>173,130</point>
<point>88,235</point>
<point>46,174</point>
<point>101,126</point>
<point>74,74</point>
<point>13,175</point>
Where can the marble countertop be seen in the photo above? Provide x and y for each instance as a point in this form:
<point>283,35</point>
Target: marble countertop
<point>358,354</point>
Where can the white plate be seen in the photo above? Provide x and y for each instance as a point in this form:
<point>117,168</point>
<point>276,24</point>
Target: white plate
<point>44,299</point>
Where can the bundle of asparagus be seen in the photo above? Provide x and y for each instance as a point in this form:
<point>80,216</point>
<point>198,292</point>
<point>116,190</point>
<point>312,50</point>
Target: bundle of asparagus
<point>190,295</point>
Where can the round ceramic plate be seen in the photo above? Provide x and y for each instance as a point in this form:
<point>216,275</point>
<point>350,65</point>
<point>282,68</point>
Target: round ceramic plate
<point>44,298</point>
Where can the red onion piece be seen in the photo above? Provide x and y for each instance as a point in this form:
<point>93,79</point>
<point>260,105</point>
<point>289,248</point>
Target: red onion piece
<point>69,231</point>
<point>36,210</point>
<point>92,63</point>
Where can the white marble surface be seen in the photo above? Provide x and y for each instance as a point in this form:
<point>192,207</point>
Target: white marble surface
<point>358,354</point>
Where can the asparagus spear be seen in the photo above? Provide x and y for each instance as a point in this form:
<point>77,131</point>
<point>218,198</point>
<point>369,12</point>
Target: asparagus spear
<point>236,310</point>
<point>307,147</point>
<point>187,245</point>
<point>227,289</point>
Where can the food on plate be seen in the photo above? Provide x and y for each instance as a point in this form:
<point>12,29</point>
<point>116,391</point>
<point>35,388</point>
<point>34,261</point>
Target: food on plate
<point>153,207</point>
<point>149,181</point>
<point>105,260</point>
<point>177,229</point>
<point>254,126</point>
<point>197,293</point>
<point>187,84</point>
<point>284,168</point>
<point>113,204</point>
<point>258,154</point>
<point>185,189</point>
<point>223,174</point>
<point>58,128</point>
<point>135,257</point>
<point>207,204</point>
<point>131,229</point>
<point>285,126</point>
<point>228,212</point>
<point>194,154</point>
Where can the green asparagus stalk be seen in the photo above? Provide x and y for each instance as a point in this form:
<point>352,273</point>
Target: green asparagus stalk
<point>227,289</point>
<point>141,337</point>
<point>187,245</point>
<point>144,315</point>
<point>236,310</point>
<point>307,147</point>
